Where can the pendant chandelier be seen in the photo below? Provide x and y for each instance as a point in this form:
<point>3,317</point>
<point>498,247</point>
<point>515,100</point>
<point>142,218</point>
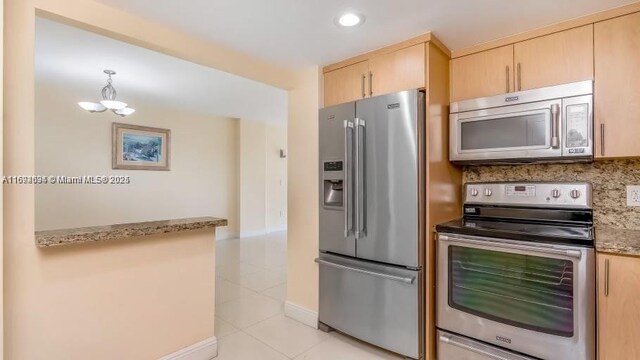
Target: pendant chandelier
<point>108,101</point>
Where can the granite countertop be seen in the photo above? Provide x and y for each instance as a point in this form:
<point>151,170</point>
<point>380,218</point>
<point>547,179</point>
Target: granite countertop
<point>50,238</point>
<point>618,241</point>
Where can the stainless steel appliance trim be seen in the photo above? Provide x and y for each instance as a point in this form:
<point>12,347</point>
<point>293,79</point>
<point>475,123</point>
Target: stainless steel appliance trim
<point>602,139</point>
<point>448,339</point>
<point>512,244</point>
<point>507,78</point>
<point>555,126</point>
<point>526,96</point>
<point>347,178</point>
<point>606,277</point>
<point>359,179</point>
<point>519,77</point>
<point>406,280</point>
<point>356,175</point>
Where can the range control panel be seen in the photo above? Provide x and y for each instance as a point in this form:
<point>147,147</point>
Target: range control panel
<point>534,194</point>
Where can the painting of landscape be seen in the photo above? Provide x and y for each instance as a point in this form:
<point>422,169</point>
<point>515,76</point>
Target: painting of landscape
<point>138,147</point>
<point>141,148</point>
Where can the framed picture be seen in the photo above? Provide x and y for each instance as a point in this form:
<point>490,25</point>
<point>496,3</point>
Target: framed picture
<point>140,147</point>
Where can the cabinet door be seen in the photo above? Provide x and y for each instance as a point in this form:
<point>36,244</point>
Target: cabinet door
<point>617,89</point>
<point>618,307</point>
<point>397,71</point>
<point>482,74</point>
<point>555,59</point>
<point>345,84</point>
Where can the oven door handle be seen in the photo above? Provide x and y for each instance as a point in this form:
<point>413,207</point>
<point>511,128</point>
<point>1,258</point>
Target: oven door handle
<point>508,244</point>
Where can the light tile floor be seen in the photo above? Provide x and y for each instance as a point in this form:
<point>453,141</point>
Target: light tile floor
<point>251,287</point>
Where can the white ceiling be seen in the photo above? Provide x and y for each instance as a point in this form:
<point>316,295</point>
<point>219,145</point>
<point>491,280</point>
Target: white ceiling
<point>76,58</point>
<point>301,32</point>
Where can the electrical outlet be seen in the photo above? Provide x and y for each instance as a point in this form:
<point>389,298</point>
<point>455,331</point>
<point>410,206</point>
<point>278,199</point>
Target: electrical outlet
<point>633,195</point>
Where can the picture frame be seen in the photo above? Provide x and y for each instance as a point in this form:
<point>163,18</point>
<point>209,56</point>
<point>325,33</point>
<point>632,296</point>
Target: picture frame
<point>137,147</point>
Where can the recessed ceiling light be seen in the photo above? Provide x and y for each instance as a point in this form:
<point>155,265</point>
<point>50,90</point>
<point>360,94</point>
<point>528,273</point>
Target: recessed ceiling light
<point>350,19</point>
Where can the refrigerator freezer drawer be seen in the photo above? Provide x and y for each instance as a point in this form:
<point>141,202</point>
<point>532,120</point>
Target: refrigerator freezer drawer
<point>454,347</point>
<point>376,303</point>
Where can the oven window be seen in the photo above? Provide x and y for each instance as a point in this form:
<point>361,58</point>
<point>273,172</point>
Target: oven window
<point>530,292</point>
<point>507,132</point>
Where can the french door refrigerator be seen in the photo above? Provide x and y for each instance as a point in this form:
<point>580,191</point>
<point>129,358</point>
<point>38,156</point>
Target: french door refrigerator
<point>372,220</point>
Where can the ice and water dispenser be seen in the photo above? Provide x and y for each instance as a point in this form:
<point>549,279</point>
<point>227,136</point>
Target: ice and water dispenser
<point>333,175</point>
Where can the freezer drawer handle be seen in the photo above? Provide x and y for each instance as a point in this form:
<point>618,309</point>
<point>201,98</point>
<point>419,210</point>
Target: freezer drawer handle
<point>406,280</point>
<point>505,244</point>
<point>451,341</point>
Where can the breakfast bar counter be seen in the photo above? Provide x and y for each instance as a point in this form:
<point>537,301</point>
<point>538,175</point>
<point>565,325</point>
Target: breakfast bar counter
<point>62,237</point>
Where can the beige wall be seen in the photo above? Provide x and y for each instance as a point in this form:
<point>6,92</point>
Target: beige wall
<point>276,179</point>
<point>304,102</point>
<point>252,177</point>
<point>203,180</point>
<point>48,292</point>
<point>262,178</point>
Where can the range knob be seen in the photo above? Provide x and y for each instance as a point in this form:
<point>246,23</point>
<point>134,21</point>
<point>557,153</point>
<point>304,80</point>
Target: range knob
<point>487,192</point>
<point>474,192</point>
<point>575,193</point>
<point>555,193</point>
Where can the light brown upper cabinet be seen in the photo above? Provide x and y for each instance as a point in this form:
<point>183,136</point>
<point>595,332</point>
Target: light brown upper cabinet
<point>555,59</point>
<point>482,74</point>
<point>397,71</point>
<point>386,73</point>
<point>617,89</point>
<point>618,307</point>
<point>346,84</point>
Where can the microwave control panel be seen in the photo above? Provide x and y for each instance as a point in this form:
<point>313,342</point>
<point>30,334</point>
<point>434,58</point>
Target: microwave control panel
<point>577,118</point>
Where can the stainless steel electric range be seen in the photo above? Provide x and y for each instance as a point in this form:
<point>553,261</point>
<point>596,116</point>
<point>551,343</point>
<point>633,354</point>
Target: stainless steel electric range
<point>516,274</point>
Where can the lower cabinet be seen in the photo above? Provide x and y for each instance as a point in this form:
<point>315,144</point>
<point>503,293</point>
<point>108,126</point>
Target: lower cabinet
<point>618,307</point>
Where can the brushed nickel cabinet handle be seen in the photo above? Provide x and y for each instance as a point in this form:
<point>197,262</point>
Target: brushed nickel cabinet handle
<point>602,139</point>
<point>364,94</point>
<point>519,73</point>
<point>606,277</point>
<point>507,79</point>
<point>370,83</point>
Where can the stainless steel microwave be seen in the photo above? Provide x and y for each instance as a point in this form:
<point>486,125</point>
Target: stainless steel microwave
<point>552,124</point>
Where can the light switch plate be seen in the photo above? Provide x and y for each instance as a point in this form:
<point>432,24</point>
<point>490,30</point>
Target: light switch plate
<point>633,195</point>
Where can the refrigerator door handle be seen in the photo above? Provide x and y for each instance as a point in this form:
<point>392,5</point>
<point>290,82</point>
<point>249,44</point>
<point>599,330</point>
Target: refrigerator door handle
<point>348,202</point>
<point>359,163</point>
<point>406,280</point>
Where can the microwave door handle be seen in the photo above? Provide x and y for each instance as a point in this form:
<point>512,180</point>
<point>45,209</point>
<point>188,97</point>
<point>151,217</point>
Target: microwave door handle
<point>555,126</point>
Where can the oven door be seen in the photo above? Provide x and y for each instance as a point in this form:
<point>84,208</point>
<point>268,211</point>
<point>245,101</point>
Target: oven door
<point>537,299</point>
<point>508,133</point>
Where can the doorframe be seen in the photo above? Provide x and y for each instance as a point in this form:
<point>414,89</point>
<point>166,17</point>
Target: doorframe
<point>1,174</point>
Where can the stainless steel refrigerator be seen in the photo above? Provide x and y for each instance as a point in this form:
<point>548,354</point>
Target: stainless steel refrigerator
<point>372,219</point>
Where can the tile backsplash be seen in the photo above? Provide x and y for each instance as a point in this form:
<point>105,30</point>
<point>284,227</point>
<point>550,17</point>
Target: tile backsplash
<point>609,179</point>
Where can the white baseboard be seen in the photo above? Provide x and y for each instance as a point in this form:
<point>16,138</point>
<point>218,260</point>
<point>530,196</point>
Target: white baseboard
<point>301,314</point>
<point>206,349</point>
<point>277,229</point>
